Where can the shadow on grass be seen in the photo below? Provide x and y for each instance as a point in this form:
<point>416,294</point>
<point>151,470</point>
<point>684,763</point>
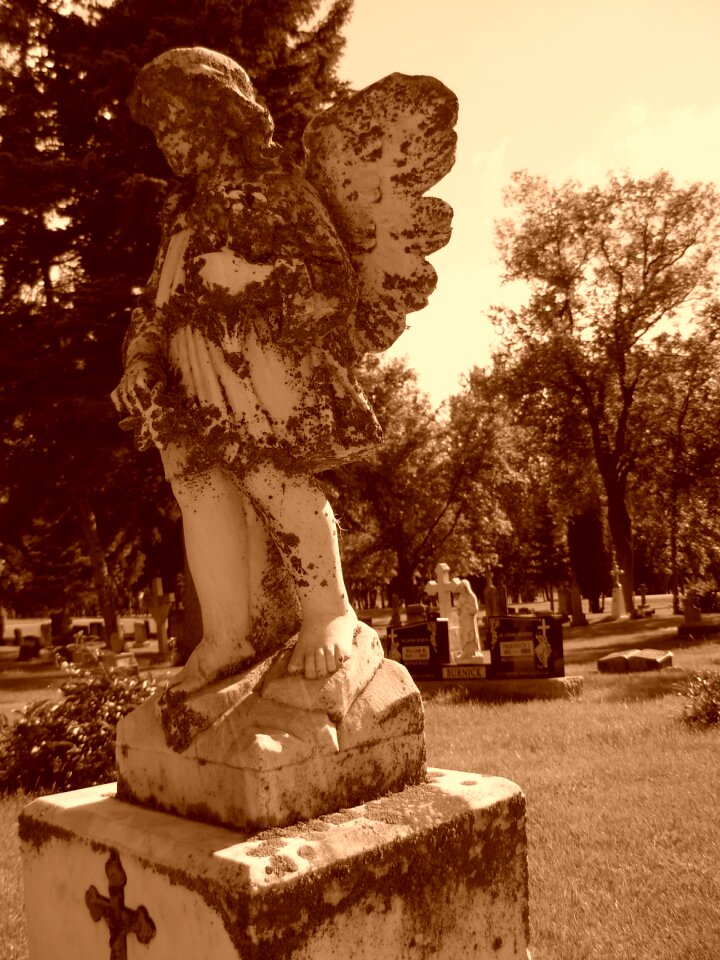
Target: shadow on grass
<point>624,687</point>
<point>590,649</point>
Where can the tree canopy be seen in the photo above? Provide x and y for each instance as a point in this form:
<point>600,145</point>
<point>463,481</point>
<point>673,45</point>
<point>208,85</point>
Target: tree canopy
<point>427,494</point>
<point>607,270</point>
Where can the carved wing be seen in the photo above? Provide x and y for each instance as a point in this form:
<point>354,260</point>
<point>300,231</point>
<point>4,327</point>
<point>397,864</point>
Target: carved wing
<point>371,158</point>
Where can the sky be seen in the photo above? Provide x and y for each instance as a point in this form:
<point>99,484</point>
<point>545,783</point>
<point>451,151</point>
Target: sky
<point>566,89</point>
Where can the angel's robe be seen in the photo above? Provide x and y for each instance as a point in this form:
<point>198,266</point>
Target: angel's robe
<point>247,306</point>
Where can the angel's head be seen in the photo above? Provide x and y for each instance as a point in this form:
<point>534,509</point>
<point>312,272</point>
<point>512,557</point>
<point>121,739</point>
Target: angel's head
<point>201,105</point>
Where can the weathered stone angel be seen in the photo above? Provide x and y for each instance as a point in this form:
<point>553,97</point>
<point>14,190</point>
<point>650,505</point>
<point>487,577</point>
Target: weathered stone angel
<point>271,283</point>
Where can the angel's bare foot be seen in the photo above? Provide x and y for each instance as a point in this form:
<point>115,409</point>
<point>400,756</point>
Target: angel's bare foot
<point>207,664</point>
<point>323,646</point>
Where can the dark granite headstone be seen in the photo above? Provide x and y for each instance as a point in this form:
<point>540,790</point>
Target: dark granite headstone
<point>424,647</point>
<point>29,648</point>
<point>523,646</point>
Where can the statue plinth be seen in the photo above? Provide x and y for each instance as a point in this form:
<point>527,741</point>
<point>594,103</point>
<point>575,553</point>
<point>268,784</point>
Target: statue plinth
<point>438,870</point>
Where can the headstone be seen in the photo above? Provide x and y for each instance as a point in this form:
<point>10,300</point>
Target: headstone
<point>522,646</point>
<point>140,633</point>
<point>416,613</point>
<point>423,647</point>
<point>576,607</point>
<point>625,661</point>
<point>691,609</point>
<point>29,647</point>
<point>495,596</point>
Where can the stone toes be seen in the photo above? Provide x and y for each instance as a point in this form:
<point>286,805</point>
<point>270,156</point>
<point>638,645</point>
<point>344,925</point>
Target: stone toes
<point>310,668</point>
<point>329,660</point>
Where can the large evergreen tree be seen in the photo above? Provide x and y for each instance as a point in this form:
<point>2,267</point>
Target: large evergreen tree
<point>80,189</point>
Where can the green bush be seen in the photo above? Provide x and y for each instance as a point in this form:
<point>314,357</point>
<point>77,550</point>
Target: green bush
<point>702,704</point>
<point>70,743</point>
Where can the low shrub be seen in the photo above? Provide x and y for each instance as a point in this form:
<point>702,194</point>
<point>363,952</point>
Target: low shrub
<point>69,744</point>
<point>702,703</point>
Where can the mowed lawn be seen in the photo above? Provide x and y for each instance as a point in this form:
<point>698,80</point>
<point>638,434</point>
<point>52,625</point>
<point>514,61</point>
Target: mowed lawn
<point>623,814</point>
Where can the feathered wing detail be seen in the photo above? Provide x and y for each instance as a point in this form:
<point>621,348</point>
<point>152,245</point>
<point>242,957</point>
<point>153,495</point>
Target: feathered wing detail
<point>371,158</point>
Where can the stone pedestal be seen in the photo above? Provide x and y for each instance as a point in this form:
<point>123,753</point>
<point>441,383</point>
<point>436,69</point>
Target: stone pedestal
<point>439,870</point>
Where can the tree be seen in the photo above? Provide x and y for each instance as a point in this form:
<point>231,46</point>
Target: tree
<point>678,491</point>
<point>80,189</point>
<point>426,494</point>
<point>606,268</point>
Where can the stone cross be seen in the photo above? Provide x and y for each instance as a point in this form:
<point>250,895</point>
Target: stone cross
<point>120,919</point>
<point>444,589</point>
<point>159,606</point>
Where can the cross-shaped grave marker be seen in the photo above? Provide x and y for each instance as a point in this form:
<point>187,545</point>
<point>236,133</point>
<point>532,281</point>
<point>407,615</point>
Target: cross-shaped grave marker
<point>120,919</point>
<point>444,589</point>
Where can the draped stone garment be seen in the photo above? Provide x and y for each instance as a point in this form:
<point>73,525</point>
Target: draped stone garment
<point>247,306</point>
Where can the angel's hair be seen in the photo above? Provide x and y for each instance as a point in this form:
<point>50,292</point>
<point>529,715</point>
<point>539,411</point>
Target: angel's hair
<point>210,84</point>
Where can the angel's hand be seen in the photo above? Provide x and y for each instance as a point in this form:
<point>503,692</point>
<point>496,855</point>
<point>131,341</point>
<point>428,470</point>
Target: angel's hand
<point>143,380</point>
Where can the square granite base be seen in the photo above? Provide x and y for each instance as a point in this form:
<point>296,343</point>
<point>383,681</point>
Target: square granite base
<point>438,870</point>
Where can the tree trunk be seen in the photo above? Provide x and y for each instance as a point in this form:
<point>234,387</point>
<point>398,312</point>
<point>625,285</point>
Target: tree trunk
<point>405,579</point>
<point>101,576</point>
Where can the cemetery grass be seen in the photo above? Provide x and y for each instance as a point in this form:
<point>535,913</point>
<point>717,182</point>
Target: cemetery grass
<point>623,814</point>
<point>13,945</point>
<point>623,818</point>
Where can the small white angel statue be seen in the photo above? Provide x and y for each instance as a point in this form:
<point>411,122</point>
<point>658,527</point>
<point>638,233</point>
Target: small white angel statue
<point>271,283</point>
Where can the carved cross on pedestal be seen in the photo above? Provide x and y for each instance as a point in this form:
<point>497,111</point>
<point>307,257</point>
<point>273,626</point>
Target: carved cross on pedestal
<point>120,920</point>
<point>444,588</point>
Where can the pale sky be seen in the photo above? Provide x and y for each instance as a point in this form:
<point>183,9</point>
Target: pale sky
<point>565,89</point>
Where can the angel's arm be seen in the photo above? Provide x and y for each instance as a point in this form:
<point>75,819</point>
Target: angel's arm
<point>145,342</point>
<point>146,335</point>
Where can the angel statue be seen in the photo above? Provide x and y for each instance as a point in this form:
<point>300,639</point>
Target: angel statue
<point>272,281</point>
